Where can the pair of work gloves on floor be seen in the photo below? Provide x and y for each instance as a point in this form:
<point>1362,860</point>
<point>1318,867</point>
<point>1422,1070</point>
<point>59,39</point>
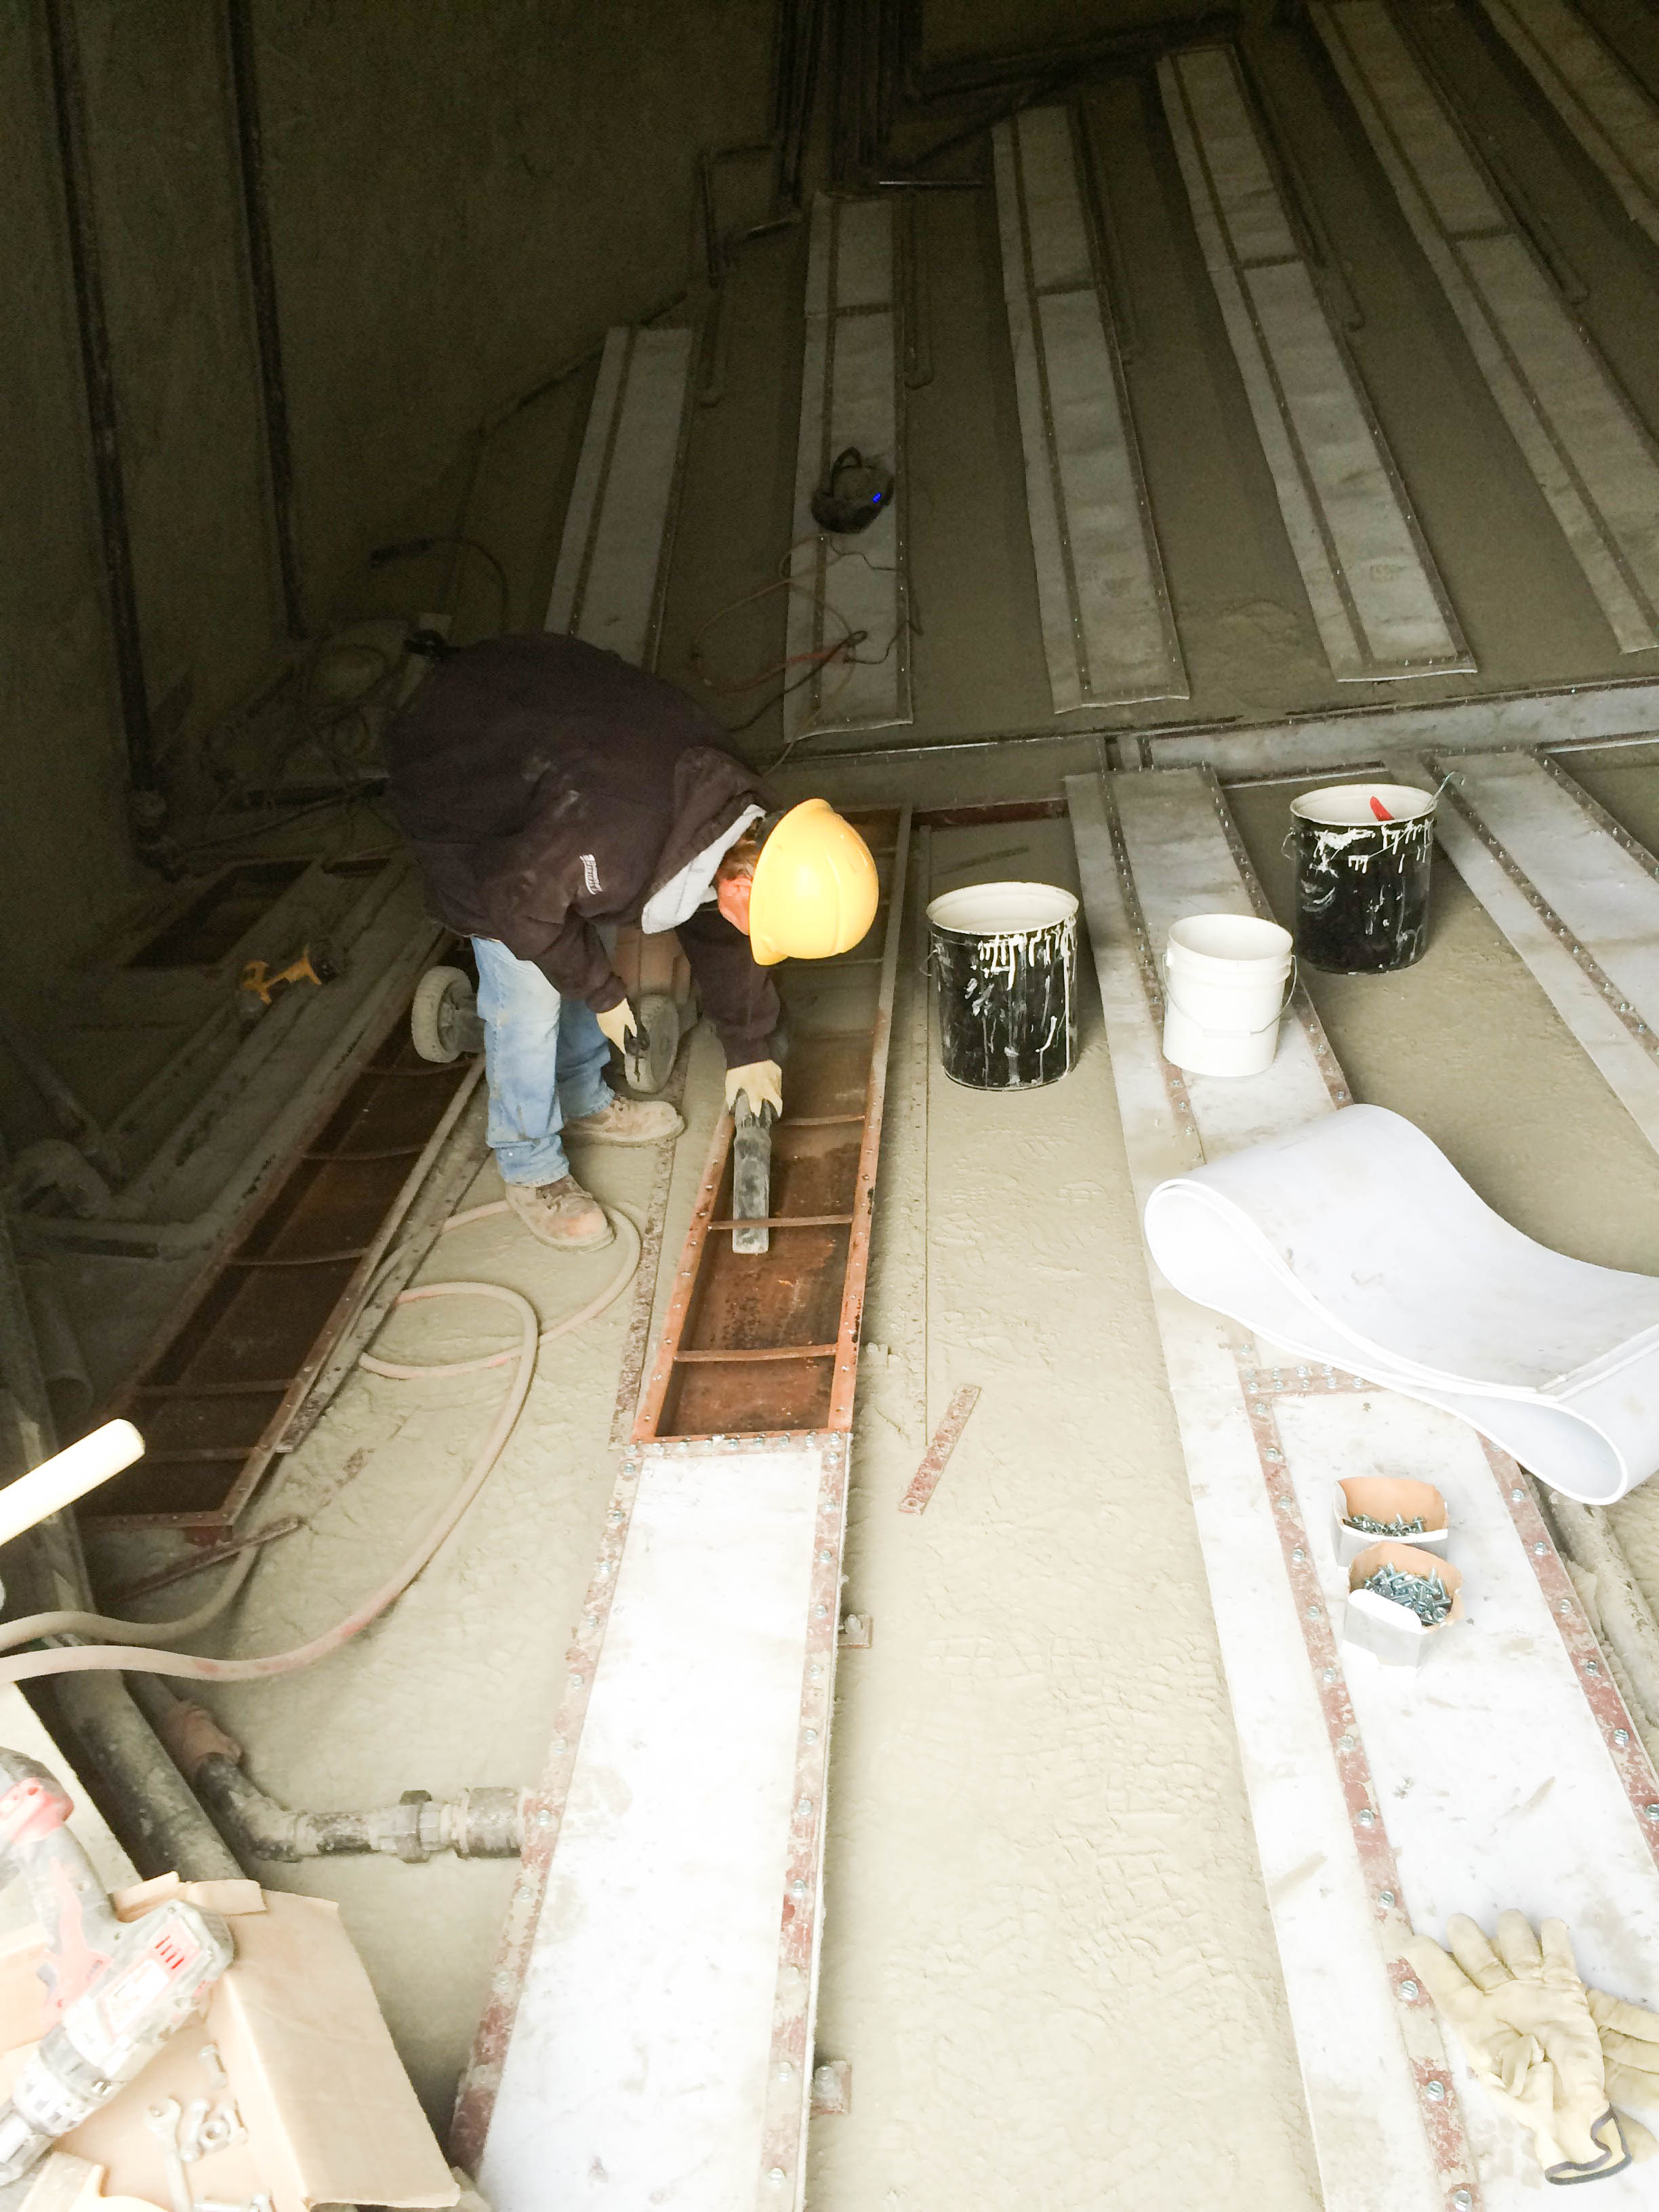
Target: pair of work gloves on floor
<point>1555,2056</point>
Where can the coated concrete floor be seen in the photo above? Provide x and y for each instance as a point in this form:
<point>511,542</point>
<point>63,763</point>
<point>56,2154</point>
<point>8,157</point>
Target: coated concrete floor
<point>1047,1950</point>
<point>1047,1954</point>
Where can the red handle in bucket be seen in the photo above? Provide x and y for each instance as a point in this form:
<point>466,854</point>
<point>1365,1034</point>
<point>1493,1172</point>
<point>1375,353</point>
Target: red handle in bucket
<point>1379,810</point>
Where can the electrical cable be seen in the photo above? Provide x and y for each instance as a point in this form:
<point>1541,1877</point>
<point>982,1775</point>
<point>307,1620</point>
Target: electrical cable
<point>139,1655</point>
<point>411,549</point>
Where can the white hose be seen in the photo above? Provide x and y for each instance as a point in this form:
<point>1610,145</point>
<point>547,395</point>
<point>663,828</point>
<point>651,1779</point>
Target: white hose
<point>138,1653</point>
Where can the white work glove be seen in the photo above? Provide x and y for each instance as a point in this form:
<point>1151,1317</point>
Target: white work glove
<point>1523,2018</point>
<point>618,1023</point>
<point>761,1082</point>
<point>1630,2051</point>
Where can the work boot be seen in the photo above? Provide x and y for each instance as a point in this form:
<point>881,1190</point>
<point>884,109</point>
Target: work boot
<point>628,1121</point>
<point>561,1214</point>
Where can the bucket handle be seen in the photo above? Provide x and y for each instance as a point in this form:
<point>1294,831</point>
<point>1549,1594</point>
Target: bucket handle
<point>1291,981</point>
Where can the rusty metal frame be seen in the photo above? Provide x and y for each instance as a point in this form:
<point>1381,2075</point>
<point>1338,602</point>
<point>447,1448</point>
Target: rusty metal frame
<point>671,1353</point>
<point>216,1522</point>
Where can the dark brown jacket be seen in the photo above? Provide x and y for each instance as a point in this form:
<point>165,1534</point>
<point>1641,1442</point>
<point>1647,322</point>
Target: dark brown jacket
<point>546,785</point>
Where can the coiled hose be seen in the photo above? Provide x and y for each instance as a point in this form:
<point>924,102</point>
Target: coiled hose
<point>139,1654</point>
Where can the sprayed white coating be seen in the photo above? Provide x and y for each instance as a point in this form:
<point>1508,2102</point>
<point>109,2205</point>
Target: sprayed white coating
<point>638,2064</point>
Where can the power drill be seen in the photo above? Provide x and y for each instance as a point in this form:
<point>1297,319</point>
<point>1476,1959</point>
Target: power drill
<point>116,1990</point>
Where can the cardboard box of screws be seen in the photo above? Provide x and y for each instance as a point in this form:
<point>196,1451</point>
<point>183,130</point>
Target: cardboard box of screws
<point>1400,1599</point>
<point>1368,1508</point>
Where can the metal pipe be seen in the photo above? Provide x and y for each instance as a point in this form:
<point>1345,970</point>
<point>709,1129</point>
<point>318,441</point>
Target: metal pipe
<point>68,102</point>
<point>155,1814</point>
<point>152,1807</point>
<point>478,1824</point>
<point>267,323</point>
<point>70,1115</point>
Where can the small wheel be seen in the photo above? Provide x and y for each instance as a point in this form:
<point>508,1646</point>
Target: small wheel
<point>443,1008</point>
<point>649,1071</point>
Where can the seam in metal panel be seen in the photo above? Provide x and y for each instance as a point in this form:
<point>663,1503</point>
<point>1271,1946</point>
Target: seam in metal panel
<point>1497,329</point>
<point>1246,306</point>
<point>1544,37</point>
<point>1023,297</point>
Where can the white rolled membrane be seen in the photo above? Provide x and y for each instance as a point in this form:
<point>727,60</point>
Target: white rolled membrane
<point>1354,1240</point>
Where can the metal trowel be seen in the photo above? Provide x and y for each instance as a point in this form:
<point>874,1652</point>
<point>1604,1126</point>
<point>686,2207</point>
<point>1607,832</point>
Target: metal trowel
<point>751,1175</point>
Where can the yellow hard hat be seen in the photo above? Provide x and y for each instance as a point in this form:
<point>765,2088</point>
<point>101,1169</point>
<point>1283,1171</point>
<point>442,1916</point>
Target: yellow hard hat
<point>815,890</point>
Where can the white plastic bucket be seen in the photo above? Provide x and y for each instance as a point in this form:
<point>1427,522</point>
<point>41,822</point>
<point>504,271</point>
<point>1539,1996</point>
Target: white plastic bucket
<point>1229,977</point>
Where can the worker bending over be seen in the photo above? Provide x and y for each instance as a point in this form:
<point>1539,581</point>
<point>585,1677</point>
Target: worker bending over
<point>551,791</point>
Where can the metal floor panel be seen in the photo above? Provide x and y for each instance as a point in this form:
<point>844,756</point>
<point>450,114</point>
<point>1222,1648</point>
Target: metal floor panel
<point>1611,115</point>
<point>613,557</point>
<point>851,395</point>
<point>1108,631</point>
<point>1377,599</point>
<point>768,1342</point>
<point>216,1399</point>
<point>1594,461</point>
<point>1597,884</point>
<point>650,2021</point>
<point>660,2052</point>
<point>1508,1771</point>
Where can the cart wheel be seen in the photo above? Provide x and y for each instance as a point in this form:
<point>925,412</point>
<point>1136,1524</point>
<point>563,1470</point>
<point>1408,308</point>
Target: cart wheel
<point>647,1071</point>
<point>443,1015</point>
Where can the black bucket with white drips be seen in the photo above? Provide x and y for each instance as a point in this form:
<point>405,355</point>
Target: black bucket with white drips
<point>1004,958</point>
<point>1363,877</point>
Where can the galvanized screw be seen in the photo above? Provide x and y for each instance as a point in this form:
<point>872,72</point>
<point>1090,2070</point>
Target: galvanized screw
<point>786,2068</point>
<point>1313,1612</point>
<point>798,1889</point>
<point>824,1557</point>
<point>1461,2200</point>
<point>1621,1735</point>
<point>1434,2089</point>
<point>810,1736</point>
<point>1367,1818</point>
<point>777,2174</point>
<point>1345,1743</point>
<point>1538,1551</point>
<point>575,1680</point>
<point>1566,1606</point>
<point>1408,1991</point>
<point>1298,1553</point>
<point>1385,1897</point>
<point>1518,1497</point>
<point>544,1819</point>
<point>820,1612</point>
<point>1330,1675</point>
<point>1652,1812</point>
<point>805,1806</point>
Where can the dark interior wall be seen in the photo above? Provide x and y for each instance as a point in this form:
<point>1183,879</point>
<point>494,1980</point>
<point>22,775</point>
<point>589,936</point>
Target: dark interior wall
<point>462,193</point>
<point>62,847</point>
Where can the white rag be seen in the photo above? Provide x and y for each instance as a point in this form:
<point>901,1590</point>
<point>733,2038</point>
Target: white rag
<point>678,899</point>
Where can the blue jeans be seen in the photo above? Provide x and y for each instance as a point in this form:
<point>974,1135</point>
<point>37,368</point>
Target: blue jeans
<point>545,1058</point>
